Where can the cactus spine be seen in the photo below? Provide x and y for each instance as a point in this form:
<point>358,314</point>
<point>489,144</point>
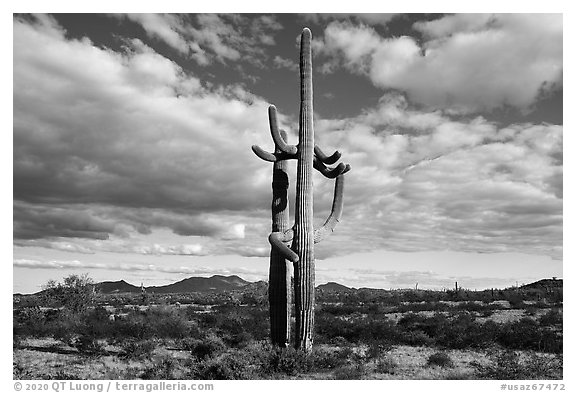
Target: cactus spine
<point>302,235</point>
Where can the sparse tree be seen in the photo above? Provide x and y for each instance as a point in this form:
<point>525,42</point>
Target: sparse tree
<point>75,292</point>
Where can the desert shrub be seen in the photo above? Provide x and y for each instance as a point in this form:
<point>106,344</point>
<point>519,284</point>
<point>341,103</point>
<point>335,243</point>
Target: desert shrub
<point>515,300</point>
<point>339,341</point>
<point>523,334</point>
<point>328,327</point>
<point>88,345</point>
<point>377,349</point>
<point>530,310</point>
<point>167,322</point>
<point>96,322</point>
<point>161,368</point>
<point>20,372</point>
<point>204,348</point>
<point>441,359</point>
<point>207,321</point>
<point>464,331</point>
<point>137,349</point>
<point>289,361</point>
<point>386,365</point>
<point>507,365</point>
<point>503,365</point>
<point>382,330</point>
<point>135,326</point>
<point>231,365</point>
<point>543,367</point>
<point>552,318</point>
<point>431,326</point>
<point>328,359</point>
<point>353,372</point>
<point>29,321</point>
<point>416,338</point>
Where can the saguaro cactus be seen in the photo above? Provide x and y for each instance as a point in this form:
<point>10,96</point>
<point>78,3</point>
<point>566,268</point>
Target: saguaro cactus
<point>302,235</point>
<point>280,291</point>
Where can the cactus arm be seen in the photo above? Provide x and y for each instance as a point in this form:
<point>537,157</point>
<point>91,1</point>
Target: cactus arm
<point>336,213</point>
<point>278,140</point>
<point>330,173</point>
<point>272,157</point>
<point>327,159</point>
<point>277,240</point>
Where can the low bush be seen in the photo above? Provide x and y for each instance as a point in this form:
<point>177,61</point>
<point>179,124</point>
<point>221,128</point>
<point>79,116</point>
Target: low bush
<point>161,368</point>
<point>440,359</point>
<point>231,365</point>
<point>136,349</point>
<point>353,371</point>
<point>205,347</point>
<point>386,365</point>
<point>88,345</point>
<point>329,358</point>
<point>289,361</point>
<point>552,318</point>
<point>507,365</point>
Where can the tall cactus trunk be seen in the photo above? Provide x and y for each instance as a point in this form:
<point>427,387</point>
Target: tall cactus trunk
<point>279,289</point>
<point>303,243</point>
<point>302,235</point>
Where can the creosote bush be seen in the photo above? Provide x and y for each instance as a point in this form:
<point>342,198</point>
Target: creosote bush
<point>441,359</point>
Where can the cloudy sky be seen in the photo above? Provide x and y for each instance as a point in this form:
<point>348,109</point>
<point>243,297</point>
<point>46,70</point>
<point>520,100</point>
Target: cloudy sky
<point>132,136</point>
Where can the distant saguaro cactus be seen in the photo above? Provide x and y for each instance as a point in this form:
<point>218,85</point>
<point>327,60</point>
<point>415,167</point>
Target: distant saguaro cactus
<point>302,235</point>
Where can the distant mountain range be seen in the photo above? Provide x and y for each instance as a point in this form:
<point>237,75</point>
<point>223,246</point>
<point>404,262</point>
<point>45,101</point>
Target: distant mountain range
<point>219,283</point>
<point>215,283</point>
<point>334,287</point>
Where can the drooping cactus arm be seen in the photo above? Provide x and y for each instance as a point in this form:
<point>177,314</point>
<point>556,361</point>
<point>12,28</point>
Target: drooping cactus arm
<point>327,159</point>
<point>279,142</point>
<point>272,157</point>
<point>334,217</point>
<point>278,240</point>
<point>330,173</point>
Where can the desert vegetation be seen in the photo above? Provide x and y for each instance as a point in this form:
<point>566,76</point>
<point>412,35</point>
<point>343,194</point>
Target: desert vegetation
<point>359,334</point>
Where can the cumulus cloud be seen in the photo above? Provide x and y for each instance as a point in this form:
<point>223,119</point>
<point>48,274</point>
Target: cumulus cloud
<point>466,63</point>
<point>423,181</point>
<point>281,62</point>
<point>94,126</point>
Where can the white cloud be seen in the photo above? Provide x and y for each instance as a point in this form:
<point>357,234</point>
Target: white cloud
<point>208,37</point>
<point>422,181</point>
<point>165,27</point>
<point>466,63</point>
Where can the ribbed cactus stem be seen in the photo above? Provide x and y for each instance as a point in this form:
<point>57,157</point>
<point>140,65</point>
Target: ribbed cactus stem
<point>279,288</point>
<point>303,243</point>
<point>302,235</point>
